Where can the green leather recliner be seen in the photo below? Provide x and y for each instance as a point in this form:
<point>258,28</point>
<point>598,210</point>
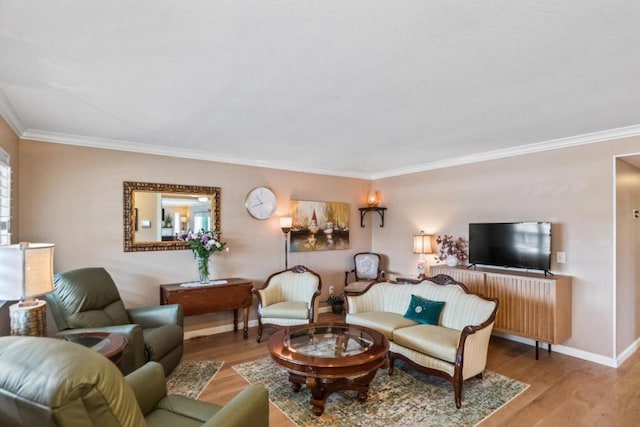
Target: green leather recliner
<point>48,382</point>
<point>87,299</point>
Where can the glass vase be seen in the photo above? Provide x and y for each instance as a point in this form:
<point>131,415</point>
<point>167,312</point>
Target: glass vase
<point>203,269</point>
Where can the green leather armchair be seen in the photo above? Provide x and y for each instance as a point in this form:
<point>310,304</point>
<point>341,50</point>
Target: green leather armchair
<point>87,299</point>
<point>47,382</point>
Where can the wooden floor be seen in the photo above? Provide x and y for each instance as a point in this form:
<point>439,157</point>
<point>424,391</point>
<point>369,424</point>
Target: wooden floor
<point>564,391</point>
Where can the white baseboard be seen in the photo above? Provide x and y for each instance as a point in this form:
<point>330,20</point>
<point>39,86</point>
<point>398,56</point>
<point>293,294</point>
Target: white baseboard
<point>215,330</point>
<point>626,353</point>
<point>569,351</point>
<point>229,327</point>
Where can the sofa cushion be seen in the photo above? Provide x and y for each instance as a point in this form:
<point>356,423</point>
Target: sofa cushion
<point>436,341</point>
<point>382,321</point>
<point>424,310</point>
<point>287,310</point>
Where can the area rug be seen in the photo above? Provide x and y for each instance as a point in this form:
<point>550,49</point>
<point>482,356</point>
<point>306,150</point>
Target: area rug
<point>191,377</point>
<point>402,399</point>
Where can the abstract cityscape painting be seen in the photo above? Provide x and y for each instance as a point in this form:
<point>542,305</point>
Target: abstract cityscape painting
<point>319,226</point>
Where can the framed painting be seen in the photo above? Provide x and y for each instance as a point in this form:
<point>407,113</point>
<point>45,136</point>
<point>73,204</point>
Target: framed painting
<point>319,226</point>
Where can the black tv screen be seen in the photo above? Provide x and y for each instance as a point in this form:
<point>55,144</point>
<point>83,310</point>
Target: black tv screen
<point>514,244</point>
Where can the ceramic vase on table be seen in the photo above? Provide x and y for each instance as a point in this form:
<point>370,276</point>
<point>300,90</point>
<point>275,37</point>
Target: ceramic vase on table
<point>451,261</point>
<point>204,269</point>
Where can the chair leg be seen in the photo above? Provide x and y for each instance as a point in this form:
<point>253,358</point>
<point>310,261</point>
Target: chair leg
<point>457,391</point>
<point>391,360</point>
<point>259,337</point>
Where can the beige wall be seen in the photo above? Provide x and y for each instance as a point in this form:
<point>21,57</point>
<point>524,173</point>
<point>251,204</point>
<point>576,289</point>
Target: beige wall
<point>573,188</point>
<point>628,255</point>
<point>72,196</point>
<point>9,142</point>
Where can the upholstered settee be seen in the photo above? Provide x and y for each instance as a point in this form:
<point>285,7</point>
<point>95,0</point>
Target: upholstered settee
<point>47,382</point>
<point>452,343</point>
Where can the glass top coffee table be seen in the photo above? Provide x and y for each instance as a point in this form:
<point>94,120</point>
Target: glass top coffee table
<point>111,345</point>
<point>329,358</point>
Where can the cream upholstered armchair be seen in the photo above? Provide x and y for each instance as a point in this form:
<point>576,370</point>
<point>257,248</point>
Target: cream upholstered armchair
<point>367,271</point>
<point>289,297</point>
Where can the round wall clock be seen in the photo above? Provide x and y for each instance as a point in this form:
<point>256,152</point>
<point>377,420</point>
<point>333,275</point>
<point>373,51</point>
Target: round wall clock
<point>261,203</point>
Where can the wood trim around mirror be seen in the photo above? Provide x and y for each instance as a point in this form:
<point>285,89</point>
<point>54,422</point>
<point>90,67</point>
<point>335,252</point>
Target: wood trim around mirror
<point>129,187</point>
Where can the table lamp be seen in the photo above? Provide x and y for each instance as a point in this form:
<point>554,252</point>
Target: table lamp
<point>422,246</point>
<point>26,271</point>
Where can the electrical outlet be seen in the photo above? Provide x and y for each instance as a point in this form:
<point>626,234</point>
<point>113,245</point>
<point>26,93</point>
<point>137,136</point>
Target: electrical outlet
<point>331,290</point>
<point>636,214</point>
<point>561,257</point>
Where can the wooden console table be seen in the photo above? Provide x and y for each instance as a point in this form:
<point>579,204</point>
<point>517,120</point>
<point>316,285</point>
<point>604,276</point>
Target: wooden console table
<point>532,305</point>
<point>234,294</point>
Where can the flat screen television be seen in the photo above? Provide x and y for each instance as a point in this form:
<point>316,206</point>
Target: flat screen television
<point>514,244</point>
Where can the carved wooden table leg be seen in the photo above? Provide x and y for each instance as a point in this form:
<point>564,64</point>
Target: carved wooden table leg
<point>245,329</point>
<point>319,394</point>
<point>296,381</point>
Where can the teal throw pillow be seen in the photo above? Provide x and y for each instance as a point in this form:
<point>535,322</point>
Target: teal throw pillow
<point>423,310</point>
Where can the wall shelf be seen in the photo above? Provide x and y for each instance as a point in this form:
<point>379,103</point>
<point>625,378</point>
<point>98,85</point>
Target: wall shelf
<point>363,212</point>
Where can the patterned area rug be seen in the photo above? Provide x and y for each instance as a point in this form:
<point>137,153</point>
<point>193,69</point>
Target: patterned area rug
<point>407,398</point>
<point>191,377</point>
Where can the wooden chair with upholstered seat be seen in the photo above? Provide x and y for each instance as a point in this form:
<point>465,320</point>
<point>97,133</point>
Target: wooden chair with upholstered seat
<point>366,271</point>
<point>289,297</point>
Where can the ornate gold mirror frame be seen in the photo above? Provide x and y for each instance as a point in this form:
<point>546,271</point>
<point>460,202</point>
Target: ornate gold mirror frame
<point>154,199</point>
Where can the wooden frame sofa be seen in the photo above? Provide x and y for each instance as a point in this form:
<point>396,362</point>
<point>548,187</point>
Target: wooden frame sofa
<point>437,326</point>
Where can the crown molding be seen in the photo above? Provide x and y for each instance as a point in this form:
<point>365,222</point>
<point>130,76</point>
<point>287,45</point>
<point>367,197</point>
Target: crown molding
<point>121,145</point>
<point>9,114</point>
<point>135,147</point>
<point>554,144</point>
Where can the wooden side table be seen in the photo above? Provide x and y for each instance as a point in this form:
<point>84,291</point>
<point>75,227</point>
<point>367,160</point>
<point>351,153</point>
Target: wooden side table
<point>110,345</point>
<point>232,295</point>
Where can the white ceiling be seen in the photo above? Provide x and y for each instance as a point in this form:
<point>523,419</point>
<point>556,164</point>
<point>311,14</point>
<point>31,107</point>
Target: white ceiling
<point>355,88</point>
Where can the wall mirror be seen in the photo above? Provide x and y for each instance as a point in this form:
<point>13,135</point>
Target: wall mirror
<point>155,214</point>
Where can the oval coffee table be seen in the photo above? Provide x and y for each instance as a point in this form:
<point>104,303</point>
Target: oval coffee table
<point>329,357</point>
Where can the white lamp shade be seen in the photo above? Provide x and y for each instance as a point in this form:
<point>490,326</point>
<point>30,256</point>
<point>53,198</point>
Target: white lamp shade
<point>285,221</point>
<point>422,244</point>
<point>26,270</point>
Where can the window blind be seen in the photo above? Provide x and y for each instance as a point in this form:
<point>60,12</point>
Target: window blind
<point>5,198</point>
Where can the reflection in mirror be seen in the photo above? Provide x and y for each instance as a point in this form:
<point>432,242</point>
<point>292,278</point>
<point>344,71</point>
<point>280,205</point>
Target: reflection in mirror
<point>156,214</point>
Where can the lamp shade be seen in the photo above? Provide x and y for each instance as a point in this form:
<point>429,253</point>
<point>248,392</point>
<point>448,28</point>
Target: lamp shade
<point>374,199</point>
<point>285,221</point>
<point>26,270</point>
<point>422,243</point>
